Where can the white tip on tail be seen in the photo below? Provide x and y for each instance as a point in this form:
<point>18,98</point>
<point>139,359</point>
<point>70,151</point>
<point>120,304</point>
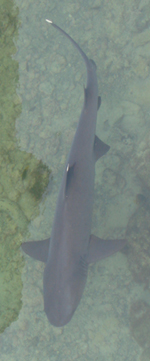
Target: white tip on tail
<point>49,21</point>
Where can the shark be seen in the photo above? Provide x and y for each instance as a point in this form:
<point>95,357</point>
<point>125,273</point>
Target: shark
<point>71,246</point>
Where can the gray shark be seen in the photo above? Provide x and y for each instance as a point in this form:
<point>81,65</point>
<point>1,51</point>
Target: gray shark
<point>71,247</point>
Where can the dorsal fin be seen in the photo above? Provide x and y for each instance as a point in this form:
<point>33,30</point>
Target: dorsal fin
<point>69,177</point>
<point>98,102</point>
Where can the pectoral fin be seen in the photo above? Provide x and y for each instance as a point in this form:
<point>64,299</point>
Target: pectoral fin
<point>100,248</point>
<point>37,249</point>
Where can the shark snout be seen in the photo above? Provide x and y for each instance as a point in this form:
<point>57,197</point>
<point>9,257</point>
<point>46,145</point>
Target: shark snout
<point>58,309</point>
<point>58,318</point>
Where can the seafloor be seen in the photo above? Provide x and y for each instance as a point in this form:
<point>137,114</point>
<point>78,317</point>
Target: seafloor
<point>41,92</point>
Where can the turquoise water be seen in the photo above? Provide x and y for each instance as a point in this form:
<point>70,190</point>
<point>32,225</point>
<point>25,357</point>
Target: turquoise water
<point>42,93</point>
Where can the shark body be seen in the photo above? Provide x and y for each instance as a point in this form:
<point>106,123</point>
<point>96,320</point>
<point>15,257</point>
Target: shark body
<point>71,247</point>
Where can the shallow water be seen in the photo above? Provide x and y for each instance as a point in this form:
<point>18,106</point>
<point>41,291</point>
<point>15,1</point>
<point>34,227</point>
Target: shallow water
<point>42,97</point>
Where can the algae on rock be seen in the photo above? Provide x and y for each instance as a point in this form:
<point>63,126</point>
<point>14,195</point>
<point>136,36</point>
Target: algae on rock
<point>23,178</point>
